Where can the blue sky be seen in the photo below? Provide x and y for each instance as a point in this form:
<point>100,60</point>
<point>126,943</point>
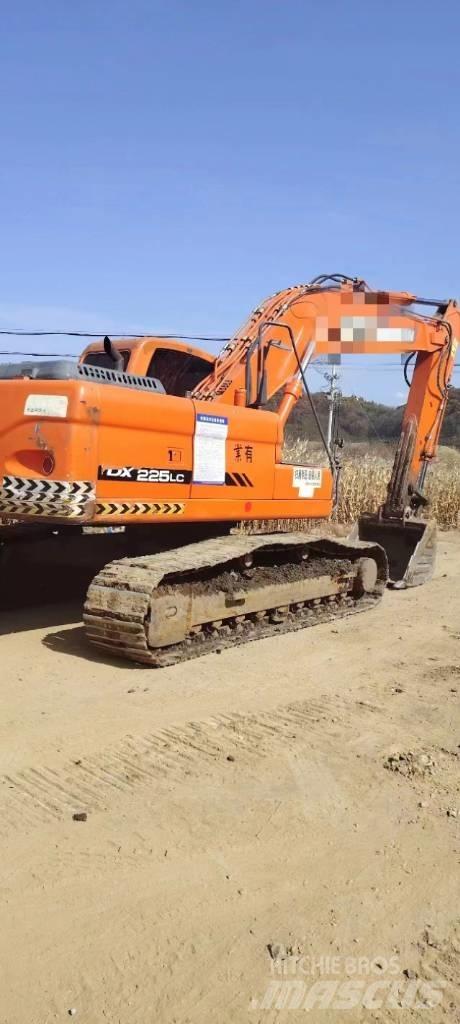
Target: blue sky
<point>165,165</point>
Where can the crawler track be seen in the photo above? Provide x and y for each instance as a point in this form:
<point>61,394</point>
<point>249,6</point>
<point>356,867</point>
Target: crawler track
<point>180,604</point>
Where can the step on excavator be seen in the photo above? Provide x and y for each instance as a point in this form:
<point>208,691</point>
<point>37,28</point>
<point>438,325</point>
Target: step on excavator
<point>159,451</point>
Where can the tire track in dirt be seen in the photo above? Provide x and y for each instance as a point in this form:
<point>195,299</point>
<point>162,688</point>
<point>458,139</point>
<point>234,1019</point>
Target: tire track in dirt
<point>40,794</point>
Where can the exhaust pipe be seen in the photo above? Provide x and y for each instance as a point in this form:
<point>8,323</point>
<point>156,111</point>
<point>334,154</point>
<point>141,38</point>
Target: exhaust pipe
<point>410,547</point>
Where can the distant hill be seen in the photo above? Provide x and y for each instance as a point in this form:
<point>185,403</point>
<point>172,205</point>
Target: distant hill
<point>361,420</point>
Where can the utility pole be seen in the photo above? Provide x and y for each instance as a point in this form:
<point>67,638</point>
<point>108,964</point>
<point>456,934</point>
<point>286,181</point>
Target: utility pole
<point>333,394</point>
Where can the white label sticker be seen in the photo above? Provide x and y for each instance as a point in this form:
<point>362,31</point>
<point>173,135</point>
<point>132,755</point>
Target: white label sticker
<point>46,405</point>
<point>307,479</point>
<point>209,449</point>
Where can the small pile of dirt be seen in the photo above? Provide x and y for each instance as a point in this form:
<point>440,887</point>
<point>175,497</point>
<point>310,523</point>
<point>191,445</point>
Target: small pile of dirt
<point>410,764</point>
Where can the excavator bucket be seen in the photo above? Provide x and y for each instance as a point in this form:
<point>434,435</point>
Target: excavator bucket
<point>410,547</point>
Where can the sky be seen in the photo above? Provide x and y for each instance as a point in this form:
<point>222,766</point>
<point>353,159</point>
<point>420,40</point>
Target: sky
<point>166,165</point>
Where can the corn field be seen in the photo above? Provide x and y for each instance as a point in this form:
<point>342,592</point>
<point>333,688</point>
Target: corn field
<point>363,488</point>
<point>364,478</point>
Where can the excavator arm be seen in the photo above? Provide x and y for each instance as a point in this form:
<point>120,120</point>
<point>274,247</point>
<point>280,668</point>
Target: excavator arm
<point>334,315</point>
<point>399,525</point>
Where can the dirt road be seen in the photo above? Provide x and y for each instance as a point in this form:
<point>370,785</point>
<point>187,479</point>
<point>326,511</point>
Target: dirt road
<point>260,823</point>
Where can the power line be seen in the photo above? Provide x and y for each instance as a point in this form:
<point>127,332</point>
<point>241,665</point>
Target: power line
<point>76,355</point>
<point>21,333</point>
<point>318,367</point>
<point>59,355</point>
<point>380,369</point>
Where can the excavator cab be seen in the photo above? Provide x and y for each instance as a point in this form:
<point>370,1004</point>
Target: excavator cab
<point>176,366</point>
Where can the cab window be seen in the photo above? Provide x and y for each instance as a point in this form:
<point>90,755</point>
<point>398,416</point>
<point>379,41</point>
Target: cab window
<point>178,372</point>
<point>104,360</point>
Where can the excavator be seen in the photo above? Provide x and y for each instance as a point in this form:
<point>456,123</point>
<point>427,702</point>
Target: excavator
<point>166,451</point>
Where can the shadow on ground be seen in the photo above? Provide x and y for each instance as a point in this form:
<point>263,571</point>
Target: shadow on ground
<point>73,641</point>
<point>44,583</point>
<point>41,616</point>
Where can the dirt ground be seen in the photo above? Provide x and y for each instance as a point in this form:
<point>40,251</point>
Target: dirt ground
<point>262,825</point>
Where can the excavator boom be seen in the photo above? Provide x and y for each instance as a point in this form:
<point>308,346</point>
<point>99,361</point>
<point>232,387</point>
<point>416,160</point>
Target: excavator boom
<point>334,315</point>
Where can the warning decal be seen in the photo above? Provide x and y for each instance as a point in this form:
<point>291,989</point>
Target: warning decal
<point>307,479</point>
<point>140,508</point>
<point>209,449</point>
<point>23,496</point>
<point>46,405</point>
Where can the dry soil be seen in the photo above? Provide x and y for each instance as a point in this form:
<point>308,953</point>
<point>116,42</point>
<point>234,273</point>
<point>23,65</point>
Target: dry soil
<point>287,812</point>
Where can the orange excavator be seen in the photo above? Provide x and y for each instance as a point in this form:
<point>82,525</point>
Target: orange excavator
<point>174,448</point>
